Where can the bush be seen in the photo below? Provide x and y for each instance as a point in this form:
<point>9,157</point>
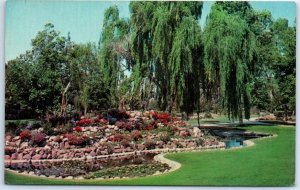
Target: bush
<point>78,129</point>
<point>136,135</point>
<point>25,135</point>
<point>125,143</point>
<point>12,128</point>
<point>165,137</point>
<point>150,144</point>
<point>36,125</point>
<point>67,128</point>
<point>125,125</point>
<point>57,139</point>
<point>116,138</point>
<point>39,139</point>
<point>75,139</point>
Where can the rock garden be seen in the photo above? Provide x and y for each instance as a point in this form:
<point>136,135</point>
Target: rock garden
<point>97,147</point>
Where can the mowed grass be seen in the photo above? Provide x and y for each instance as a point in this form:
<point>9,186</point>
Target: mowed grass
<point>271,162</point>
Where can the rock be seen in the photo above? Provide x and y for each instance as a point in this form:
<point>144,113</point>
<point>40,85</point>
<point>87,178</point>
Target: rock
<point>67,146</point>
<point>62,145</point>
<point>7,157</point>
<point>183,144</point>
<point>191,145</point>
<point>16,138</point>
<point>24,145</point>
<point>27,157</point>
<point>128,149</point>
<point>20,156</point>
<point>93,153</point>
<point>183,133</point>
<point>14,156</point>
<point>118,150</point>
<point>36,157</point>
<point>12,144</point>
<point>8,138</point>
<point>65,139</point>
<point>197,132</point>
<point>18,142</point>
<point>141,147</point>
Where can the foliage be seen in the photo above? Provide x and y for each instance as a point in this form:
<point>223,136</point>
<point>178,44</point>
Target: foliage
<point>25,135</point>
<point>39,139</point>
<point>150,144</point>
<point>229,51</point>
<point>129,171</point>
<point>136,135</point>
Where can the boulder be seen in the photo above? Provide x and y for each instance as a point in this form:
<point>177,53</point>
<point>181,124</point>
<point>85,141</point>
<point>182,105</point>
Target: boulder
<point>62,145</point>
<point>8,138</point>
<point>16,138</point>
<point>7,157</point>
<point>24,145</point>
<point>27,157</point>
<point>20,156</point>
<point>36,157</point>
<point>18,142</point>
<point>197,132</point>
<point>141,147</point>
<point>67,146</point>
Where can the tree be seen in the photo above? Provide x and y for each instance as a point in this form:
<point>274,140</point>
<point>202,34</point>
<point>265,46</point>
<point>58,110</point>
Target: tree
<point>285,64</point>
<point>229,50</point>
<point>160,34</point>
<point>114,31</point>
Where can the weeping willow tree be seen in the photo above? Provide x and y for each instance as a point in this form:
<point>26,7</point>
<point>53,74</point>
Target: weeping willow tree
<point>229,51</point>
<point>114,31</point>
<point>184,66</point>
<point>165,37</point>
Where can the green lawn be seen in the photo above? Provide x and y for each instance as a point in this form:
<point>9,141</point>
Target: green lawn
<point>271,162</point>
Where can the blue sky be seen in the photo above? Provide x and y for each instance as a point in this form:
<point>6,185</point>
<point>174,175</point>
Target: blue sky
<point>24,18</point>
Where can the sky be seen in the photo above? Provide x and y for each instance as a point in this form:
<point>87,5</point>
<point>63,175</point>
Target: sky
<point>84,20</point>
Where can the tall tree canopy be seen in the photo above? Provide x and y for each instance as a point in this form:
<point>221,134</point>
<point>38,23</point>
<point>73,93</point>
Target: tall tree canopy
<point>229,50</point>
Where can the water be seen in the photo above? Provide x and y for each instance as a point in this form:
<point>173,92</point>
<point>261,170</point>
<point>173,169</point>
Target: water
<point>233,142</point>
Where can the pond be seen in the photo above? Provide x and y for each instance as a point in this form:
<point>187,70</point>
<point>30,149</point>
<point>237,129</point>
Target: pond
<point>233,142</point>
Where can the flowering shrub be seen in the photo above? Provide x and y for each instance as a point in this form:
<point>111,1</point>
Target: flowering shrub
<point>165,137</point>
<point>162,117</point>
<point>150,144</point>
<point>57,139</point>
<point>151,126</point>
<point>136,135</point>
<point>75,139</point>
<point>125,143</point>
<point>25,134</point>
<point>125,125</point>
<point>84,122</point>
<point>116,138</point>
<point>78,129</point>
<point>39,139</point>
<point>118,114</point>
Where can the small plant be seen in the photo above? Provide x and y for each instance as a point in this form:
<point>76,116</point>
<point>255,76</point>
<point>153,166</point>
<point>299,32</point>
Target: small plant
<point>75,139</point>
<point>125,143</point>
<point>136,135</point>
<point>165,137</point>
<point>78,129</point>
<point>39,139</point>
<point>25,135</point>
<point>116,138</point>
<point>150,144</point>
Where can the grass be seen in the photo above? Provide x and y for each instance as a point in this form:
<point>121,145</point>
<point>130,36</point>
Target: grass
<point>271,162</point>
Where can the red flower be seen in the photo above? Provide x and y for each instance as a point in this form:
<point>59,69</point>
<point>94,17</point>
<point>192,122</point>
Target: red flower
<point>78,129</point>
<point>26,134</point>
